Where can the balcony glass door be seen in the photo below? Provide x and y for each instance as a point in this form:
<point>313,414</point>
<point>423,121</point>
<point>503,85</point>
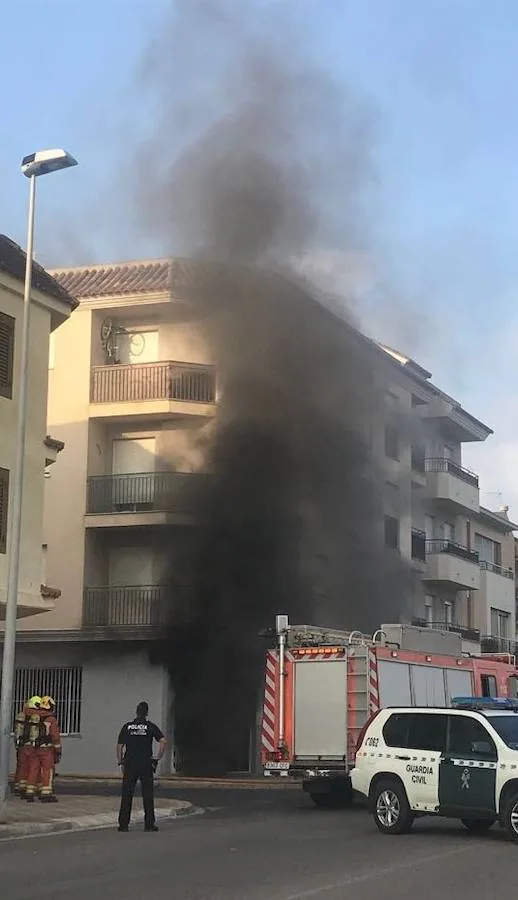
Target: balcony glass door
<point>133,468</point>
<point>131,592</point>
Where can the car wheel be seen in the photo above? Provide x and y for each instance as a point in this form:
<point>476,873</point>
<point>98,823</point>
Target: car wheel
<point>510,817</point>
<point>391,809</point>
<point>478,826</point>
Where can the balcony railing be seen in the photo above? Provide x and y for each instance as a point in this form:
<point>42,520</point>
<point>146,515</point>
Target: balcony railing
<point>467,634</point>
<point>141,492</point>
<point>130,605</point>
<point>418,545</point>
<point>442,546</point>
<point>497,570</point>
<point>452,468</point>
<point>494,644</point>
<point>186,382</point>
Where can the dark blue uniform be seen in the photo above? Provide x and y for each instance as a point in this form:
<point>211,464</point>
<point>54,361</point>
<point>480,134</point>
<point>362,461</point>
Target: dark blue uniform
<point>137,738</point>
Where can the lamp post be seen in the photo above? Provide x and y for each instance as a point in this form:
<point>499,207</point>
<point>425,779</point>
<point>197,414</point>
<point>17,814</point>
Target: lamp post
<point>34,165</point>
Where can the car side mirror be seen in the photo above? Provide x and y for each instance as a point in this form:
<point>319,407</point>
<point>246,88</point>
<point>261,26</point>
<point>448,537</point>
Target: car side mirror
<point>482,747</point>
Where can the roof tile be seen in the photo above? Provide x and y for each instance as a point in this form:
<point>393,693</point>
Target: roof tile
<point>170,276</point>
<point>12,261</point>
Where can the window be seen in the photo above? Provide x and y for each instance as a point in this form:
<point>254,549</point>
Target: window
<point>512,686</point>
<point>470,739</point>
<point>7,324</point>
<point>427,732</point>
<point>488,551</point>
<point>63,684</point>
<point>418,459</point>
<point>428,608</point>
<point>448,612</point>
<point>507,728</point>
<point>488,686</point>
<point>395,730</point>
<point>499,623</point>
<point>4,503</point>
<point>448,531</point>
<point>392,532</point>
<point>391,442</point>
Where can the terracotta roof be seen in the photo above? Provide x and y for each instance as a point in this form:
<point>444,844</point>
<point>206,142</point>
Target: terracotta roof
<point>12,261</point>
<point>170,276</point>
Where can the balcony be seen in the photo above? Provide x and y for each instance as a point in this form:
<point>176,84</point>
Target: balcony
<point>452,565</point>
<point>141,498</point>
<point>451,485</point>
<point>151,390</point>
<point>135,608</point>
<point>130,606</point>
<point>467,634</point>
<point>493,644</point>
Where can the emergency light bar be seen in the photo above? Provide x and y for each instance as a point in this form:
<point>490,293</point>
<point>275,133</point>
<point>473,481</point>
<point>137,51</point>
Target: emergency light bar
<point>485,703</point>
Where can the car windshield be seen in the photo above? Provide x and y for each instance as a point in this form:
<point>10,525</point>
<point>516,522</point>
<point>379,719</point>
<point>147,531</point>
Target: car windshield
<point>507,728</point>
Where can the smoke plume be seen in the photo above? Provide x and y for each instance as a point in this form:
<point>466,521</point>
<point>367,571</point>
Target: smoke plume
<point>272,164</point>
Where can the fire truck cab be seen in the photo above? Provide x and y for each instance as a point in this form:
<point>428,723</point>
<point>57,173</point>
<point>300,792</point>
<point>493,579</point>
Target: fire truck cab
<point>322,686</point>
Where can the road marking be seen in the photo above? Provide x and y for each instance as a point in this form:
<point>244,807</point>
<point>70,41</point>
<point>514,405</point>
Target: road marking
<point>369,876</point>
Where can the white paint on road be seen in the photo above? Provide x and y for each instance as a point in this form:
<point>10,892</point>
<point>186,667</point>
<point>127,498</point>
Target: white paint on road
<point>372,874</point>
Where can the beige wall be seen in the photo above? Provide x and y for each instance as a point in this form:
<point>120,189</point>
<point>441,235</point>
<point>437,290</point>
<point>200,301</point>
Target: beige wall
<point>69,386</point>
<point>11,302</point>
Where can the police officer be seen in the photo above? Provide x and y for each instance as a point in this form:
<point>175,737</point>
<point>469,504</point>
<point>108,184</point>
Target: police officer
<point>135,757</point>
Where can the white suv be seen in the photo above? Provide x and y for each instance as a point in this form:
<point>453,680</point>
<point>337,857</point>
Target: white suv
<point>460,762</point>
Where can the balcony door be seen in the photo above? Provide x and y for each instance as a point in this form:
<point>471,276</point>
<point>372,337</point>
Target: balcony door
<point>131,594</point>
<point>133,468</point>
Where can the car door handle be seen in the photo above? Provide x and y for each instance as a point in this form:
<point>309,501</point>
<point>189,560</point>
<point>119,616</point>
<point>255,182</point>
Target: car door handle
<point>405,758</point>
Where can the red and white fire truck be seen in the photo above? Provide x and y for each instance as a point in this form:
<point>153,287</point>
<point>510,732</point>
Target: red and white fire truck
<point>322,687</point>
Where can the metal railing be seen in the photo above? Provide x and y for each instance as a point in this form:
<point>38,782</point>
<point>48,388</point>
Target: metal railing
<point>186,382</point>
<point>494,644</point>
<point>433,464</point>
<point>497,570</point>
<point>467,634</point>
<point>141,492</point>
<point>125,606</point>
<point>418,545</point>
<point>438,545</point>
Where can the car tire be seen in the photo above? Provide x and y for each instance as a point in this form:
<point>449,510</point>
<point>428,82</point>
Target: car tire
<point>390,807</point>
<point>478,826</point>
<point>510,816</point>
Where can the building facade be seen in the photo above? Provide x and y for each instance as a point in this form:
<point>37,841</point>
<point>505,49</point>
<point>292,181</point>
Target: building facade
<point>51,306</point>
<point>132,390</point>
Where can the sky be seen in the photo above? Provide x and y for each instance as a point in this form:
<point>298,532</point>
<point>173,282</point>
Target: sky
<point>438,81</point>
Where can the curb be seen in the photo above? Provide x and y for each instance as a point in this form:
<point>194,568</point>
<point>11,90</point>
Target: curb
<point>171,782</point>
<point>91,823</point>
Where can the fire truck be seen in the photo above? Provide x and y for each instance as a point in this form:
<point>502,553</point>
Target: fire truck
<point>322,686</point>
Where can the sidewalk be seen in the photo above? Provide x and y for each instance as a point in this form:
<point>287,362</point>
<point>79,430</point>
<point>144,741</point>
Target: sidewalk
<point>74,813</point>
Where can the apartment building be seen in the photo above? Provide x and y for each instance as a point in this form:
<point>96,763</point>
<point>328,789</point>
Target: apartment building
<point>132,390</point>
<point>51,306</point>
<point>462,553</point>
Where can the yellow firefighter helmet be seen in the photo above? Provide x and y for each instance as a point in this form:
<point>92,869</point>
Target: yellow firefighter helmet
<point>47,702</point>
<point>34,702</point>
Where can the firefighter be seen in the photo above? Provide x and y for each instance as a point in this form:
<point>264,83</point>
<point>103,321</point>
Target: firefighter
<point>135,757</point>
<point>21,732</point>
<point>44,752</point>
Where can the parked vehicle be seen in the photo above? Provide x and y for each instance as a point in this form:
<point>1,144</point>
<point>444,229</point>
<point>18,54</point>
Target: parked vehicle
<point>323,685</point>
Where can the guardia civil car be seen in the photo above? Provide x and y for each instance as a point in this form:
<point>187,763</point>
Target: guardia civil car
<point>460,762</point>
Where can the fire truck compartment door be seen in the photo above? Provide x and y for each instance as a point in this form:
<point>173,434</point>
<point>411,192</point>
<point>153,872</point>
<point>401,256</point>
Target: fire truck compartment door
<point>320,711</point>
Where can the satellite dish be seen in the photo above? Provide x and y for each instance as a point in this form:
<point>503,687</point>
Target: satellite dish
<point>106,329</point>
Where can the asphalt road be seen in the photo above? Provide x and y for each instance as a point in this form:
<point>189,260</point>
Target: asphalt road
<point>272,845</point>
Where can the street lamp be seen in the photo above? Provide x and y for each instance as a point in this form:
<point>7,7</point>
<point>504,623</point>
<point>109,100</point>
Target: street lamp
<point>40,163</point>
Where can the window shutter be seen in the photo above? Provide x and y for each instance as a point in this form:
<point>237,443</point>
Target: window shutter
<point>7,324</point>
<point>4,498</point>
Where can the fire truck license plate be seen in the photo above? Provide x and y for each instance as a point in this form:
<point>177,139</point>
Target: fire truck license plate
<point>277,765</point>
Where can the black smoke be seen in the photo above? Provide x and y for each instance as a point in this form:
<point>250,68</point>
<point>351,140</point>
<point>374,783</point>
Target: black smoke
<point>289,514</point>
